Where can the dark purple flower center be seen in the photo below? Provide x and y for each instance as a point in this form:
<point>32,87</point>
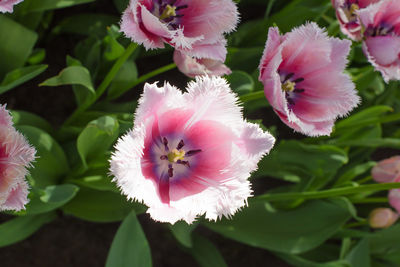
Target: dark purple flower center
<point>176,156</point>
<point>290,85</point>
<point>168,12</point>
<point>382,29</point>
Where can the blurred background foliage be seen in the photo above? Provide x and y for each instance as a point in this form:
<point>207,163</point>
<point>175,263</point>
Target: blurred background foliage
<point>72,44</point>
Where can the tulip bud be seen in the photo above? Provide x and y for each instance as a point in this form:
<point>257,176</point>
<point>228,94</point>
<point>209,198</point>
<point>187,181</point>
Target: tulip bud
<point>387,171</point>
<point>382,218</point>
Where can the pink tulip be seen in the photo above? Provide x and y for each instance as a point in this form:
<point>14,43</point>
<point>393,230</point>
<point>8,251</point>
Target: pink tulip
<point>302,73</point>
<point>382,218</point>
<point>7,5</point>
<point>382,37</point>
<point>15,156</point>
<point>194,27</point>
<point>387,170</point>
<point>394,198</point>
<point>189,154</point>
<point>348,18</point>
<point>193,67</point>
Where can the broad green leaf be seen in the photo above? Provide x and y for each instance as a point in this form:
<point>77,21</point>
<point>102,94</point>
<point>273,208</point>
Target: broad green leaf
<point>19,228</point>
<point>244,59</point>
<point>88,52</point>
<point>100,206</point>
<point>82,93</point>
<point>292,160</point>
<point>183,232</point>
<point>293,231</point>
<point>240,82</point>
<point>51,162</point>
<point>129,247</point>
<point>51,198</point>
<point>40,5</point>
<point>354,172</point>
<point>97,138</point>
<point>113,49</point>
<point>121,5</point>
<point>124,78</point>
<point>38,56</point>
<point>15,46</point>
<point>385,242</point>
<point>86,24</point>
<point>359,255</point>
<point>20,117</point>
<point>71,75</point>
<point>205,253</point>
<point>19,76</point>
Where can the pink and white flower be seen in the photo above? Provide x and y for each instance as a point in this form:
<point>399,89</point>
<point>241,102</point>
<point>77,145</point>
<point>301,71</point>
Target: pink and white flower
<point>195,27</point>
<point>193,67</point>
<point>382,37</point>
<point>16,156</point>
<point>8,5</point>
<point>189,154</point>
<point>346,13</point>
<point>388,171</point>
<point>302,73</point>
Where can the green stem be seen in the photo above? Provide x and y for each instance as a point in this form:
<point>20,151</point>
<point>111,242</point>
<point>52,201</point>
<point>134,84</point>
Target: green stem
<point>369,200</point>
<point>252,96</point>
<point>356,224</point>
<point>330,192</point>
<point>105,83</point>
<point>144,78</point>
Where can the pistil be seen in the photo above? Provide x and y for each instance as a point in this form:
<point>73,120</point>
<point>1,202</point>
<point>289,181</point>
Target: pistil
<point>169,11</point>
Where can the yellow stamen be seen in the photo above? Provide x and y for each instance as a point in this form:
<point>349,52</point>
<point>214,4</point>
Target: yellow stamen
<point>176,155</point>
<point>288,86</point>
<point>354,8</point>
<point>169,11</point>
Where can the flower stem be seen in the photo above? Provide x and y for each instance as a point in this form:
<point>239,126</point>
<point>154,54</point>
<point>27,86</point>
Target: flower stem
<point>104,84</point>
<point>330,192</point>
<point>252,96</point>
<point>144,78</point>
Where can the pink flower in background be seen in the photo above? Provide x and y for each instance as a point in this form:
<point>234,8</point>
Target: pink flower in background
<point>193,67</point>
<point>302,73</point>
<point>193,26</point>
<point>388,171</point>
<point>15,156</point>
<point>382,37</point>
<point>189,154</point>
<point>382,218</point>
<point>7,5</point>
<point>348,18</point>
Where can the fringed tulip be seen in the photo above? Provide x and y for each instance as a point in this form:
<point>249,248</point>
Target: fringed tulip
<point>382,37</point>
<point>189,154</point>
<point>302,73</point>
<point>16,156</point>
<point>346,13</point>
<point>195,27</point>
<point>193,67</point>
<point>8,5</point>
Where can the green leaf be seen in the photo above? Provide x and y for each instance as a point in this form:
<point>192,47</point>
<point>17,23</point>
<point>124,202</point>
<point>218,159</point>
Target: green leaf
<point>40,5</point>
<point>51,198</point>
<point>19,76</point>
<point>297,261</point>
<point>205,253</point>
<point>86,24</point>
<point>354,172</point>
<point>19,228</point>
<point>123,80</point>
<point>359,255</point>
<point>293,231</point>
<point>15,46</point>
<point>241,82</point>
<point>183,232</point>
<point>121,5</point>
<point>51,162</point>
<point>113,49</point>
<point>129,247</point>
<point>20,117</point>
<point>71,75</point>
<point>293,161</point>
<point>100,206</point>
<point>97,138</point>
